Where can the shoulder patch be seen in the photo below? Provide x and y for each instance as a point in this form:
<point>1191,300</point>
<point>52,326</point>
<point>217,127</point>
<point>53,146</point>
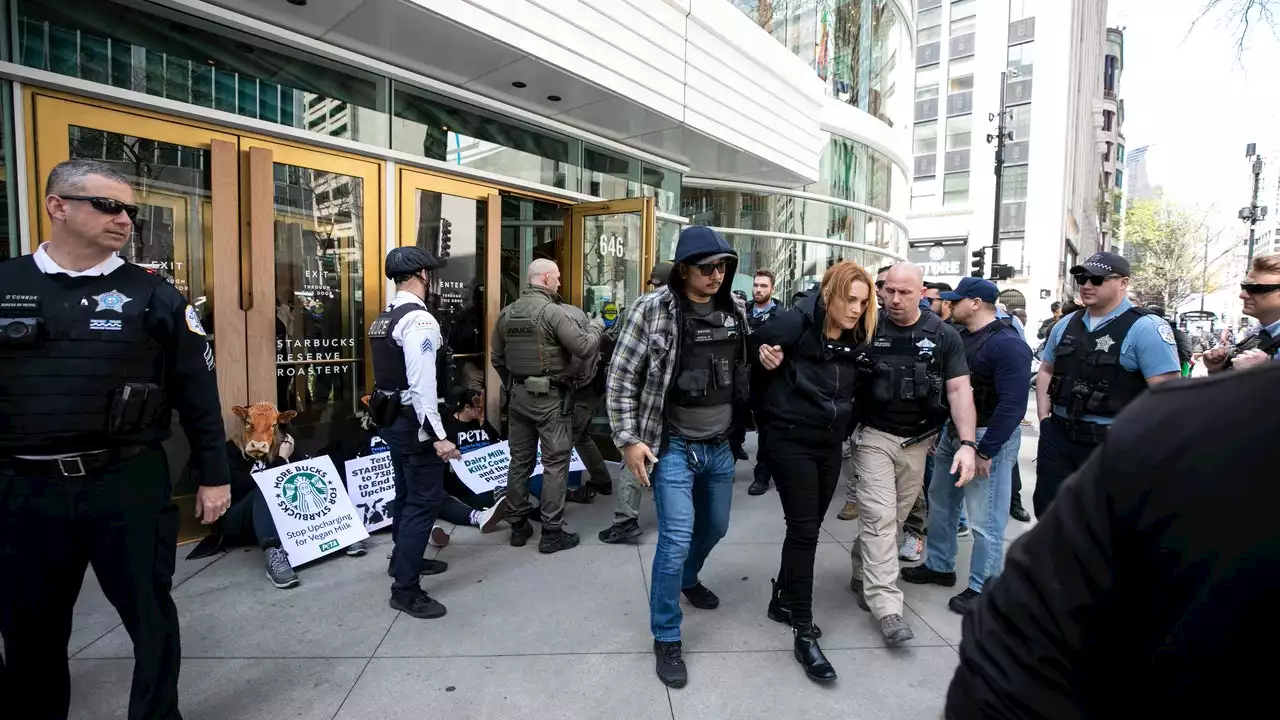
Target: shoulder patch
<point>1166,333</point>
<point>193,321</point>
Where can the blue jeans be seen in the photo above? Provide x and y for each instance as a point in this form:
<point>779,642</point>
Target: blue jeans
<point>987,499</point>
<point>692,491</point>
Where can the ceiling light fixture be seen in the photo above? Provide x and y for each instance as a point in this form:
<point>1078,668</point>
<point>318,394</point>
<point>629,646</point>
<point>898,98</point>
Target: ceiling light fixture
<point>519,85</point>
<point>553,98</point>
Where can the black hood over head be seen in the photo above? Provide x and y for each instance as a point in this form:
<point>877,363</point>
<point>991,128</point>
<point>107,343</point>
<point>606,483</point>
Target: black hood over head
<point>697,243</point>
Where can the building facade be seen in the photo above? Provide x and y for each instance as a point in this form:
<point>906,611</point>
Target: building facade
<point>278,150</point>
<point>1050,54</point>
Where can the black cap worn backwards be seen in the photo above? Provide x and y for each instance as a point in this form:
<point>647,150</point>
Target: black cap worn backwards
<point>403,261</point>
<point>1102,264</point>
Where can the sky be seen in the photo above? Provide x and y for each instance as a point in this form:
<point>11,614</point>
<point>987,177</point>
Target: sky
<point>1190,97</point>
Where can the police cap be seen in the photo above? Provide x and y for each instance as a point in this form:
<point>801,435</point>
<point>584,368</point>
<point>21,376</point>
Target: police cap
<point>403,261</point>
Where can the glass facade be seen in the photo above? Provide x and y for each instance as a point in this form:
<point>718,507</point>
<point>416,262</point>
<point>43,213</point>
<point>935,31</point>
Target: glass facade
<point>860,48</point>
<point>849,170</point>
<point>167,54</point>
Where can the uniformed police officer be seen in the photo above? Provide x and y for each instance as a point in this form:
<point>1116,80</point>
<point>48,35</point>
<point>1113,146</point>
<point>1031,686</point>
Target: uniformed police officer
<point>1260,297</point>
<point>532,342</point>
<point>913,376</point>
<point>95,354</point>
<point>1095,361</point>
<point>405,404</point>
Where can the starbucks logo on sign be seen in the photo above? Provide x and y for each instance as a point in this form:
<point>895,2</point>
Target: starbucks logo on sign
<point>306,493</point>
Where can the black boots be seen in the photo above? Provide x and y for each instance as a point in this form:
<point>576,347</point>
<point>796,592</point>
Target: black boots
<point>780,609</point>
<point>521,531</point>
<point>810,656</point>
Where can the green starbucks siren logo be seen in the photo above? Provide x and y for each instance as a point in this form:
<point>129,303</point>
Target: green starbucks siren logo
<point>306,493</point>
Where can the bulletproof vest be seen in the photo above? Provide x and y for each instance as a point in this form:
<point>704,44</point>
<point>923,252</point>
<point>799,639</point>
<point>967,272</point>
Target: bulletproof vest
<point>1256,342</point>
<point>1007,320</point>
<point>67,347</point>
<point>984,385</point>
<point>389,371</point>
<point>1088,378</point>
<point>902,385</point>
<point>711,350</point>
<point>531,351</point>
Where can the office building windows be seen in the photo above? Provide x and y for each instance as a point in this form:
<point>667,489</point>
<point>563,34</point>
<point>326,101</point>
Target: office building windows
<point>923,190</point>
<point>1021,9</point>
<point>960,75</point>
<point>1015,184</point>
<point>955,189</point>
<point>959,132</point>
<point>963,20</point>
<point>1020,122</point>
<point>1020,59</point>
<point>1108,119</point>
<point>927,82</point>
<point>925,140</point>
<point>929,26</point>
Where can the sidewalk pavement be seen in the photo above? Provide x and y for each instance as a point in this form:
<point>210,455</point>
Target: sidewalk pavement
<point>563,636</point>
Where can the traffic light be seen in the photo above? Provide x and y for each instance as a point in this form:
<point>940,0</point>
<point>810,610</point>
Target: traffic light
<point>446,237</point>
<point>979,263</point>
<point>1001,272</point>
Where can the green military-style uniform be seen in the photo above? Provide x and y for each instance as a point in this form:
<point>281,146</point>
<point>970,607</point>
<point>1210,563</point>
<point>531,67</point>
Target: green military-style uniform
<point>532,343</point>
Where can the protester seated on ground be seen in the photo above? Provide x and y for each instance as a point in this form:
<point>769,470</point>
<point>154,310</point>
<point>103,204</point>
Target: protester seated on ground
<point>467,429</point>
<point>260,444</point>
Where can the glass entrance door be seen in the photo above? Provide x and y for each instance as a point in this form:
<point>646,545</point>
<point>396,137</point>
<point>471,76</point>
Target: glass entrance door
<point>611,253</point>
<point>184,180</point>
<point>315,284</point>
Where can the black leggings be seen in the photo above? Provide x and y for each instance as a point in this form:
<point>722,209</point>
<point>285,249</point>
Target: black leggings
<point>806,468</point>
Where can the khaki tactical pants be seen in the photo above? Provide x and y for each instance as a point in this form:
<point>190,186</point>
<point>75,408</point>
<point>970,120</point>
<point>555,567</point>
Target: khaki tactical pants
<point>533,417</point>
<point>889,478</point>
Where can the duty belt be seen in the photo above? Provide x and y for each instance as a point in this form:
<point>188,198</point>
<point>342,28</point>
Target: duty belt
<point>73,465</point>
<point>557,384</point>
<point>1080,431</point>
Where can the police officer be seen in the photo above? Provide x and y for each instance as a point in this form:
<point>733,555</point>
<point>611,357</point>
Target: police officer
<point>914,370</point>
<point>405,404</point>
<point>532,343</point>
<point>586,377</point>
<point>1095,361</point>
<point>1260,297</point>
<point>95,354</point>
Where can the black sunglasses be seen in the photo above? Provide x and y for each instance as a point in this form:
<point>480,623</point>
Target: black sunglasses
<point>1259,288</point>
<point>1095,280</point>
<point>880,284</point>
<point>106,205</point>
<point>707,269</point>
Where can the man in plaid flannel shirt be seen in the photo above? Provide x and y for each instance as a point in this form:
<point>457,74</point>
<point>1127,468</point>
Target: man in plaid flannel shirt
<point>678,374</point>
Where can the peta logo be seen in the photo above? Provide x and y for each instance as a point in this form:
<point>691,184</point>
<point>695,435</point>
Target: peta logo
<point>472,436</point>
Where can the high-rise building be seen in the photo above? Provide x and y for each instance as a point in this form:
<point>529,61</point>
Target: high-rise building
<point>1051,54</point>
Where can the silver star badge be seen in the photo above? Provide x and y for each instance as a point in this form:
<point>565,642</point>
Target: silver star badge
<point>112,300</point>
<point>1104,343</point>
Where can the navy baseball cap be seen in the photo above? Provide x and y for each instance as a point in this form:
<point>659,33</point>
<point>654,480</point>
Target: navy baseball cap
<point>972,287</point>
<point>1101,265</point>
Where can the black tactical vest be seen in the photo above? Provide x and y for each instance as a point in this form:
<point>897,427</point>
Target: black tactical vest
<point>1088,378</point>
<point>389,373</point>
<point>903,390</point>
<point>984,385</point>
<point>84,338</point>
<point>712,349</point>
<point>1270,346</point>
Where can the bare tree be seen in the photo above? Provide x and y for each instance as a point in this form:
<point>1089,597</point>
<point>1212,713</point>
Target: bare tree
<point>1243,15</point>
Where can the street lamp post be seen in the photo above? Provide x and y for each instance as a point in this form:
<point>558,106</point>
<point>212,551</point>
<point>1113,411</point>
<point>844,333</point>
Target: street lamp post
<point>1001,134</point>
<point>1254,213</point>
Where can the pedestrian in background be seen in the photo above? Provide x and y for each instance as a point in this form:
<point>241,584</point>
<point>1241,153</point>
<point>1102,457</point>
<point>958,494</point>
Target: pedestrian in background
<point>809,353</point>
<point>763,309</point>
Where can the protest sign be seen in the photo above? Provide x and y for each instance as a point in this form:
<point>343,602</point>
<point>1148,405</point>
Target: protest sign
<point>485,469</point>
<point>312,513</point>
<point>372,486</point>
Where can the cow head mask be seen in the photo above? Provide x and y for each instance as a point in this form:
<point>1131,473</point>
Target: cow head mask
<point>261,436</point>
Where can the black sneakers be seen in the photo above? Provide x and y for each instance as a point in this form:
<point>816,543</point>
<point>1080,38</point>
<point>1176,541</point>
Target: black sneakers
<point>621,532</point>
<point>670,666</point>
<point>417,603</point>
<point>700,597</point>
<point>758,487</point>
<point>521,531</point>
<point>922,574</point>
<point>554,541</point>
<point>965,600</point>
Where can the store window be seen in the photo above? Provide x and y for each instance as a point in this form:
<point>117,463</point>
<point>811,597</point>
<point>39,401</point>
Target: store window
<point>662,185</point>
<point>426,125</point>
<point>181,58</point>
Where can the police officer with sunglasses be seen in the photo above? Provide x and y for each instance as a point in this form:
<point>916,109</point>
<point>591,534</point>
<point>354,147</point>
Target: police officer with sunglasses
<point>95,355</point>
<point>1260,298</point>
<point>1096,361</point>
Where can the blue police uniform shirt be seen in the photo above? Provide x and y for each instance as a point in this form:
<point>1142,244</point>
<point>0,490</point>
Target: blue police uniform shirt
<point>1145,349</point>
<point>1274,329</point>
<point>1017,324</point>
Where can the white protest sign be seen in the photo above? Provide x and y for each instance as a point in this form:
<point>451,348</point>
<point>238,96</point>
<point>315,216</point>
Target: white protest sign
<point>371,484</point>
<point>485,469</point>
<point>312,513</point>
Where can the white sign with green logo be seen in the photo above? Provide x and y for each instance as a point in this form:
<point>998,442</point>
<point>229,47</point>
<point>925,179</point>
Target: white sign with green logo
<point>311,509</point>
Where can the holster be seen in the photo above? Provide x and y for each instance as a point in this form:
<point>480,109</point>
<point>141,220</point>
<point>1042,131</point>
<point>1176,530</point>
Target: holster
<point>566,402</point>
<point>385,408</point>
<point>134,407</point>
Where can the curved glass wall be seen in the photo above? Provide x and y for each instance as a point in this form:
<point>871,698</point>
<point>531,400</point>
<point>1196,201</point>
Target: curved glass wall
<point>849,170</point>
<point>860,48</point>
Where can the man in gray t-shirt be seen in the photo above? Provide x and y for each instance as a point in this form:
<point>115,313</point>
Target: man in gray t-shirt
<point>699,422</point>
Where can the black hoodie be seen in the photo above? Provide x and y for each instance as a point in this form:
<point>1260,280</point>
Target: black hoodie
<point>813,388</point>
